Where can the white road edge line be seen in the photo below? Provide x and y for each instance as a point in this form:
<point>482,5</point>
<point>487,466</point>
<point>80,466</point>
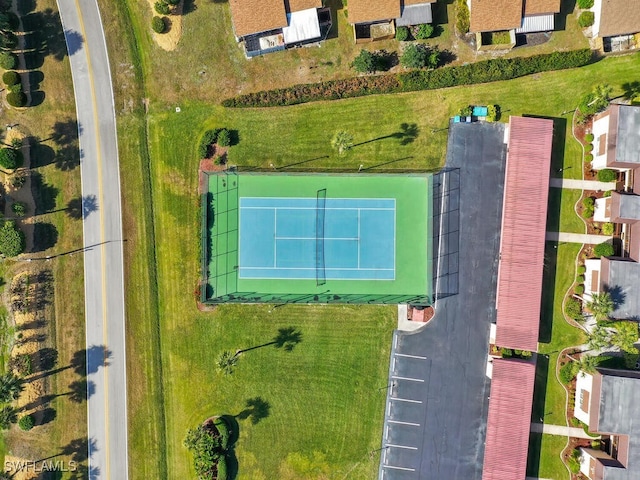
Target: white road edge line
<point>399,468</point>
<point>401,446</point>
<point>405,400</point>
<point>408,378</point>
<point>404,423</point>
<point>410,356</point>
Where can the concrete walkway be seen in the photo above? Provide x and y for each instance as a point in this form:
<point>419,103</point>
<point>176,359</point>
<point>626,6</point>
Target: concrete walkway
<point>576,238</point>
<point>560,430</point>
<point>582,184</point>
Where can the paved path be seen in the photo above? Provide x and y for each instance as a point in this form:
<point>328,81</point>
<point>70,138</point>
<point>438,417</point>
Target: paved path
<point>561,430</point>
<point>103,266</point>
<point>582,184</point>
<point>576,238</point>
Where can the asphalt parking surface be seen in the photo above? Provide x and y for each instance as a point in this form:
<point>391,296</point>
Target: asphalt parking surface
<point>436,410</point>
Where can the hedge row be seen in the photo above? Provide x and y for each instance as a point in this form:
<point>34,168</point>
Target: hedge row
<point>481,72</point>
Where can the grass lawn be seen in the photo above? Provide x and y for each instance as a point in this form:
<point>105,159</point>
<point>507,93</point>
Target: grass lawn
<point>547,449</point>
<point>561,216</point>
<point>55,181</point>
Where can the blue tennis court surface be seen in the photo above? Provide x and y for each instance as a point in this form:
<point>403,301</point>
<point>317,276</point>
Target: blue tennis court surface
<point>292,238</point>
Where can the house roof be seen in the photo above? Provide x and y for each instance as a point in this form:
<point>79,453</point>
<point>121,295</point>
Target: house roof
<point>509,420</point>
<point>416,2</point>
<point>297,5</point>
<point>537,7</point>
<point>524,218</point>
<point>628,135</point>
<point>628,206</point>
<point>255,16</point>
<point>363,11</point>
<point>493,15</point>
<point>622,283</point>
<point>415,15</point>
<point>619,17</point>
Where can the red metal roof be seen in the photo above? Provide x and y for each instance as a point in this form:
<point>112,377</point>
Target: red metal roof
<point>509,420</point>
<point>524,219</point>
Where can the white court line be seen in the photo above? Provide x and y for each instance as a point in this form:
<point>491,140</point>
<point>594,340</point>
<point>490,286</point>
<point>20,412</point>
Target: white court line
<point>350,239</point>
<point>405,400</point>
<point>401,446</point>
<point>275,231</point>
<point>408,378</point>
<point>313,268</point>
<point>404,423</point>
<point>315,208</point>
<point>399,468</point>
<point>410,356</point>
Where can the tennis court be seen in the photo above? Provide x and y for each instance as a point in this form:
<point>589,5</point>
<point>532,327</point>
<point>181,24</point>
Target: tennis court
<point>318,238</point>
<point>323,239</point>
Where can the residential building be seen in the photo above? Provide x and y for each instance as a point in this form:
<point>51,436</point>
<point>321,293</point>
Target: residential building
<point>377,19</point>
<point>264,26</point>
<point>616,22</point>
<point>606,402</point>
<point>510,16</point>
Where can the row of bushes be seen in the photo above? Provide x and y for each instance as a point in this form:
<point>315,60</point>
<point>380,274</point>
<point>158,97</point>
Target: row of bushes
<point>490,70</point>
<point>15,96</point>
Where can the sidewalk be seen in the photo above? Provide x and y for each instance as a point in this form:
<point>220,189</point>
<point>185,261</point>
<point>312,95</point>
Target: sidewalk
<point>576,238</point>
<point>560,430</point>
<point>581,184</point>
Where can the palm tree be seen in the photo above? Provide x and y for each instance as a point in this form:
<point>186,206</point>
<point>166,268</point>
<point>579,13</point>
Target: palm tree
<point>342,141</point>
<point>588,363</point>
<point>601,96</point>
<point>227,361</point>
<point>8,415</point>
<point>10,387</point>
<point>601,305</point>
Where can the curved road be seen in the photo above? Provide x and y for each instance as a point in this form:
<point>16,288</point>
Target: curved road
<point>103,258</point>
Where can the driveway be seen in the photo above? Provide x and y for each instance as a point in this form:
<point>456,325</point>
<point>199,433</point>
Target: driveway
<point>436,411</point>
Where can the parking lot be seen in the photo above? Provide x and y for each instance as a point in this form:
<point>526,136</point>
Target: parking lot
<point>438,394</point>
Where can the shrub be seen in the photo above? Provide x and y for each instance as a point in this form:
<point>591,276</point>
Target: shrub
<point>162,8</point>
<point>579,290</point>
<point>588,202</point>
<point>586,19</point>
<point>22,364</point>
<point>584,4</point>
<point>158,24</point>
<point>465,111</point>
<point>10,158</point>
<point>580,279</point>
<point>16,99</point>
<point>367,62</point>
<point>222,468</point>
<point>11,78</point>
<point>419,56</point>
<point>506,353</point>
<point>587,212</point>
<point>603,250</point>
<point>402,34</point>
<point>493,113</point>
<point>224,138</point>
<point>606,194</point>
<point>26,423</point>
<point>209,138</point>
<point>173,2</point>
<point>424,31</point>
<point>18,180</point>
<point>589,137</point>
<point>574,464</point>
<point>573,309</point>
<point>588,158</point>
<point>7,60</point>
<point>462,16</point>
<point>607,228</point>
<point>11,240</point>
<point>19,208</point>
<point>588,147</point>
<point>607,175</point>
<point>568,372</point>
<point>489,70</point>
<point>582,269</point>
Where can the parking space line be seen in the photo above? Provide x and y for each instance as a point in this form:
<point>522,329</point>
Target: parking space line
<point>408,378</point>
<point>401,446</point>
<point>410,356</point>
<point>386,431</point>
<point>395,341</point>
<point>388,408</point>
<point>404,423</point>
<point>404,400</point>
<point>393,364</point>
<point>399,468</point>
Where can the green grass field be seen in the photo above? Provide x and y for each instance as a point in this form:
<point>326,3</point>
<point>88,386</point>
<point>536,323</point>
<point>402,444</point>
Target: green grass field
<point>562,216</point>
<point>239,246</point>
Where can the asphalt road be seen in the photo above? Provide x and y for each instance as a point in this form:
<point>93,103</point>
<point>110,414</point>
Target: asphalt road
<point>436,412</point>
<point>103,258</point>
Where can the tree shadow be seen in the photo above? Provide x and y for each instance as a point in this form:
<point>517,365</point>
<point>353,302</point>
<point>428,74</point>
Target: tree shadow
<point>26,6</point>
<point>43,193</point>
<point>37,98</point>
<point>65,132</point>
<point>566,8</point>
<point>446,57</point>
<point>81,390</point>
<point>48,37</point>
<point>97,356</point>
<point>80,208</point>
<point>41,155</point>
<point>256,409</point>
<point>44,359</point>
<point>45,236</point>
<point>407,134</point>
<point>189,6</point>
<point>631,90</point>
<point>42,417</point>
<point>234,428</point>
<point>617,295</point>
<point>287,338</point>
<point>31,325</point>
<point>67,157</point>
<point>74,41</point>
<point>38,402</point>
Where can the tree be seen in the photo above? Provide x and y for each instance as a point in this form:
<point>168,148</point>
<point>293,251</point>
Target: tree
<point>588,363</point>
<point>162,8</point>
<point>224,138</point>
<point>424,31</point>
<point>601,305</point>
<point>603,250</point>
<point>624,336</point>
<point>11,240</point>
<point>342,141</point>
<point>26,423</point>
<point>631,90</point>
<point>402,34</point>
<point>19,208</point>
<point>8,415</point>
<point>10,158</point>
<point>419,56</point>
<point>206,450</point>
<point>158,24</point>
<point>365,62</point>
<point>586,19</point>
<point>7,60</point>
<point>10,387</point>
<point>601,96</point>
<point>227,361</point>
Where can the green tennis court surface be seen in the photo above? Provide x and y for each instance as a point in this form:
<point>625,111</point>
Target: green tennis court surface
<point>317,238</point>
